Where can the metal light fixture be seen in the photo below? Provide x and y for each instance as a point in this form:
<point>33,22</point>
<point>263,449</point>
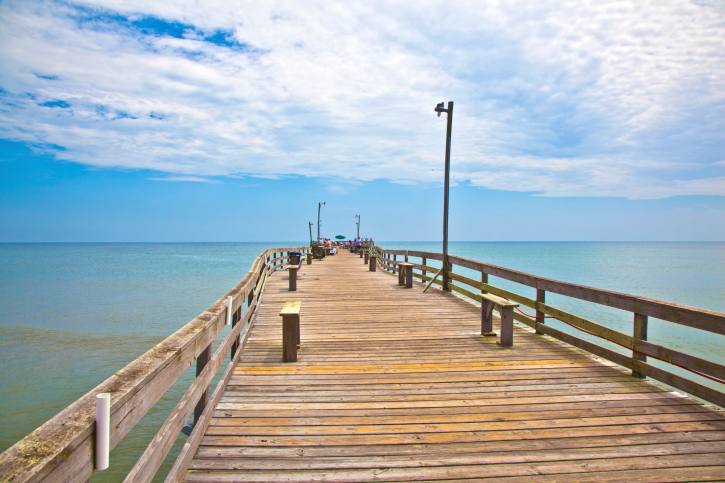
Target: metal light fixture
<point>439,109</point>
<point>320,204</point>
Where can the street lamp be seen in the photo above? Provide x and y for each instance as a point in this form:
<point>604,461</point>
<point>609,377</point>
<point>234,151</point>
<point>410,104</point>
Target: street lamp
<point>320,204</point>
<point>357,222</point>
<point>441,109</point>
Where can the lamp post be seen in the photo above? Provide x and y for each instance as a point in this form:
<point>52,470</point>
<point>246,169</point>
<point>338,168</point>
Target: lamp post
<point>310,225</point>
<point>440,109</point>
<point>357,222</point>
<point>320,204</point>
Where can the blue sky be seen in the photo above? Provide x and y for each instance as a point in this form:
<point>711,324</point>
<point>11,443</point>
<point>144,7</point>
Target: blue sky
<point>230,120</point>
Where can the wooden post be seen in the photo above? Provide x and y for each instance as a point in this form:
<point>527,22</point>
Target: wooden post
<point>540,298</point>
<point>423,261</point>
<point>408,276</point>
<point>309,258</point>
<point>201,362</point>
<point>401,275</point>
<point>373,265</point>
<point>394,264</point>
<point>367,258</point>
<point>361,251</point>
<point>292,269</point>
<point>640,333</point>
<point>487,318</point>
<point>290,330</point>
<point>507,326</point>
<point>235,319</point>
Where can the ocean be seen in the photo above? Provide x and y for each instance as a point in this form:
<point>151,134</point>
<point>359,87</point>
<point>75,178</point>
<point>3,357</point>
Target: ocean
<point>71,314</point>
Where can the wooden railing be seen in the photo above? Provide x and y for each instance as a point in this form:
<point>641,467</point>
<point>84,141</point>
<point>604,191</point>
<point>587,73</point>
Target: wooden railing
<point>641,308</point>
<point>62,449</point>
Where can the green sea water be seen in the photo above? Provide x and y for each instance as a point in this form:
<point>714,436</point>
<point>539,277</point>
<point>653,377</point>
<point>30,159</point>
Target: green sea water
<point>72,314</point>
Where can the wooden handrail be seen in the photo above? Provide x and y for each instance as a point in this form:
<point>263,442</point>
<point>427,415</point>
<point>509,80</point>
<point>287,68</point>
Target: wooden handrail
<point>62,448</point>
<point>642,308</point>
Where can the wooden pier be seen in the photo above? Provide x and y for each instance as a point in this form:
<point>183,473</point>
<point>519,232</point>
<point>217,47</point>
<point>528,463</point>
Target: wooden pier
<point>397,384</point>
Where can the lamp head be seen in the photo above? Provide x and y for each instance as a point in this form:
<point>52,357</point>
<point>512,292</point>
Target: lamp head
<point>439,109</point>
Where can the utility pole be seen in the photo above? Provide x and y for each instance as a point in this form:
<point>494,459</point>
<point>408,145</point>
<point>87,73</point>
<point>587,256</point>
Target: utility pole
<point>320,204</point>
<point>357,222</point>
<point>310,224</point>
<point>440,109</point>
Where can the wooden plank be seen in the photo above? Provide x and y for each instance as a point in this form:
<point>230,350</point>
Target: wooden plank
<point>398,385</point>
<point>292,307</point>
<point>681,359</point>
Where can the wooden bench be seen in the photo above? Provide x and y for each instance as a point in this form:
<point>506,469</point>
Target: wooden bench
<point>405,274</point>
<point>293,277</point>
<point>506,310</point>
<point>290,330</point>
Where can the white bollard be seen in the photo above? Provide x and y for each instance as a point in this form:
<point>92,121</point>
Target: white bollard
<point>103,430</point>
<point>230,304</point>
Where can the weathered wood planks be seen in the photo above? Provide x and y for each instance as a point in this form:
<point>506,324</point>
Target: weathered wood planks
<point>397,385</point>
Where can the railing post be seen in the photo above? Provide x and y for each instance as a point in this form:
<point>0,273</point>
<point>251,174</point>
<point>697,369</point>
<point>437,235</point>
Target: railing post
<point>640,333</point>
<point>394,265</point>
<point>423,261</point>
<point>293,277</point>
<point>540,298</point>
<point>446,277</point>
<point>201,361</point>
<point>373,262</point>
<point>235,319</point>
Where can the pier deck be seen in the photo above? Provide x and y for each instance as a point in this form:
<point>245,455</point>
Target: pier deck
<point>394,384</point>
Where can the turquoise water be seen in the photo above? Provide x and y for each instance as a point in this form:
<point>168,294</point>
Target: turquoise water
<point>72,314</point>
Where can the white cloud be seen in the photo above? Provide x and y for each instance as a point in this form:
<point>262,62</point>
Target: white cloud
<point>562,99</point>
<point>183,179</point>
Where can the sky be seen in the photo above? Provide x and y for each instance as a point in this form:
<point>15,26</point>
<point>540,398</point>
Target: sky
<point>228,121</point>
